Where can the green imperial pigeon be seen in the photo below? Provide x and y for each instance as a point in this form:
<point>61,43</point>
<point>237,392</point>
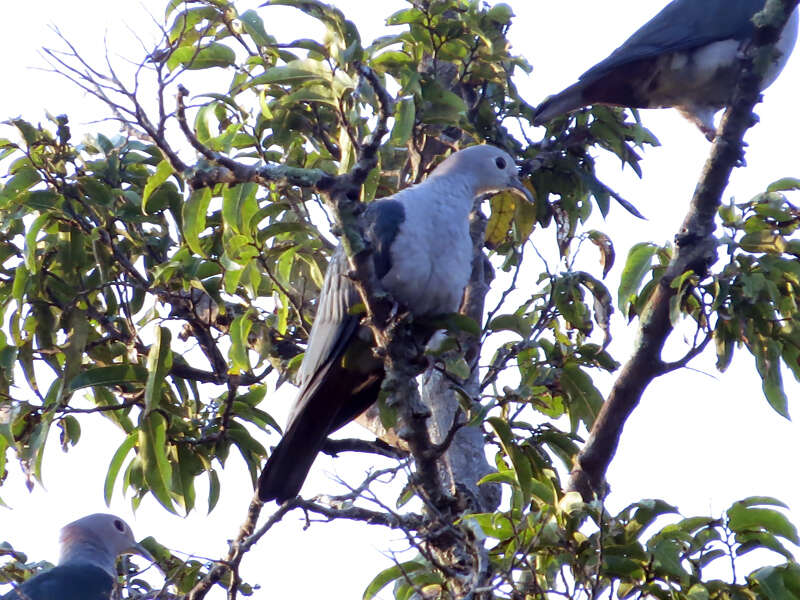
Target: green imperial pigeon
<point>86,568</point>
<point>686,56</point>
<point>422,252</point>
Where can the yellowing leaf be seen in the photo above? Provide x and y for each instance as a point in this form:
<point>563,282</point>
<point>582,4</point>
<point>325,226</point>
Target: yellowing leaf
<point>503,208</point>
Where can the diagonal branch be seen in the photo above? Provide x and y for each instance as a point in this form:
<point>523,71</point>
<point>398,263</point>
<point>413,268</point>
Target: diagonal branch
<point>696,250</point>
<point>230,171</point>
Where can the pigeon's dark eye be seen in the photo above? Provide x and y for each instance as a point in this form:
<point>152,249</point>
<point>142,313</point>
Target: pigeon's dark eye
<point>119,525</point>
<point>500,162</point>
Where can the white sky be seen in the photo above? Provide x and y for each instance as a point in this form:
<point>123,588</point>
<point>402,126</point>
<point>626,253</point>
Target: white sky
<point>699,440</point>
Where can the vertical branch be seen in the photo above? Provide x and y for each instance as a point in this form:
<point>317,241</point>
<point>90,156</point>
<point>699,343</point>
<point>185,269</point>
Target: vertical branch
<point>696,250</point>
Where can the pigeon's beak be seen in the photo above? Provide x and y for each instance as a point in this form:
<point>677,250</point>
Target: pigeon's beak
<point>517,186</point>
<point>137,548</point>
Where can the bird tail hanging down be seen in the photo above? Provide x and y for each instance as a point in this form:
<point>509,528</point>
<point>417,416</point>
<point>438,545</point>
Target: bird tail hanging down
<point>288,465</point>
<point>335,396</point>
<point>322,412</point>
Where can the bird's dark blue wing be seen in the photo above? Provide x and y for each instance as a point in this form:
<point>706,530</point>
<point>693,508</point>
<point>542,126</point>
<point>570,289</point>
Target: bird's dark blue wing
<point>68,582</point>
<point>334,326</point>
<point>339,377</point>
<point>681,25</point>
<point>382,221</point>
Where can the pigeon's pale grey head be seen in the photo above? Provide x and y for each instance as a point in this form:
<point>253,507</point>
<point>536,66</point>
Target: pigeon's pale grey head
<point>489,168</point>
<point>99,538</point>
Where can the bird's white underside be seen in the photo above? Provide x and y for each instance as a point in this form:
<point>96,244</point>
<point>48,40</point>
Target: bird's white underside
<point>687,77</point>
<point>432,229</point>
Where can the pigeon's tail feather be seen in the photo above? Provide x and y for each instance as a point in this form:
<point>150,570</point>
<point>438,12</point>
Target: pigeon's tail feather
<point>334,397</point>
<point>290,461</point>
<point>287,467</point>
<point>562,103</point>
<point>623,86</point>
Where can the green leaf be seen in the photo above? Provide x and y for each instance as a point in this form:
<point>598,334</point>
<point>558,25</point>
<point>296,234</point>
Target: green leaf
<point>761,501</point>
<point>33,451</point>
<point>742,518</point>
<point>313,268</point>
<point>405,16</point>
<point>667,555</point>
<point>254,26</point>
<point>584,398</point>
<point>495,525</point>
<point>457,367</point>
<point>205,57</point>
<point>213,489</point>
<point>764,240</point>
<point>287,74</point>
<point>29,133</point>
<point>404,119</point>
<point>520,462</point>
<point>238,206</point>
<point>159,362</point>
<point>41,200</point>
<point>315,93</point>
<point>768,364</point>
<point>163,171</point>
<point>515,323</point>
<point>456,323</point>
<point>188,466</point>
<point>70,431</point>
<point>500,13</point>
<point>171,6</point>
<point>297,72</point>
<point>440,105</point>
<point>525,218</point>
<point>23,179</point>
<point>771,584</point>
<point>77,334</point>
<point>202,122</point>
<point>116,464</point>
<point>389,575</point>
<point>636,267</point>
<point>31,263</point>
<point>786,184</point>
<point>152,451</point>
<point>240,328</point>
<point>194,218</point>
<point>108,376</point>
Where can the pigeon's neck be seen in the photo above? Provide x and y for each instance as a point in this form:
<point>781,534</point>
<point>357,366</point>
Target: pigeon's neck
<point>457,193</point>
<point>88,552</point>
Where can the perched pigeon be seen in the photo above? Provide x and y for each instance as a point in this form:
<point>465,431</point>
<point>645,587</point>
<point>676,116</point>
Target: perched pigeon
<point>685,56</point>
<point>86,568</point>
<point>422,253</point>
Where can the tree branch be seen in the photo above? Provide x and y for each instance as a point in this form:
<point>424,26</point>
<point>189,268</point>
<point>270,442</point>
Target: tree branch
<point>696,250</point>
<point>407,523</point>
<point>379,447</point>
<point>230,171</point>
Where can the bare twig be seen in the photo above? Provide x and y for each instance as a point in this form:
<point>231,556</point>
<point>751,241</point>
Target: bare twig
<point>334,447</point>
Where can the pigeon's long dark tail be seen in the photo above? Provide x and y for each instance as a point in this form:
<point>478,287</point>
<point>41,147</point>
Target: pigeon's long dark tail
<point>560,104</point>
<point>289,463</point>
<point>338,397</point>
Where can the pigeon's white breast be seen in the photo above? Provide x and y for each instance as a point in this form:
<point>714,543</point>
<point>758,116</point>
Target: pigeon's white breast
<point>785,46</point>
<point>432,253</point>
<point>705,75</point>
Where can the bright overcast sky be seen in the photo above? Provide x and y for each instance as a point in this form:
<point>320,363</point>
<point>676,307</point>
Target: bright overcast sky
<point>699,440</point>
